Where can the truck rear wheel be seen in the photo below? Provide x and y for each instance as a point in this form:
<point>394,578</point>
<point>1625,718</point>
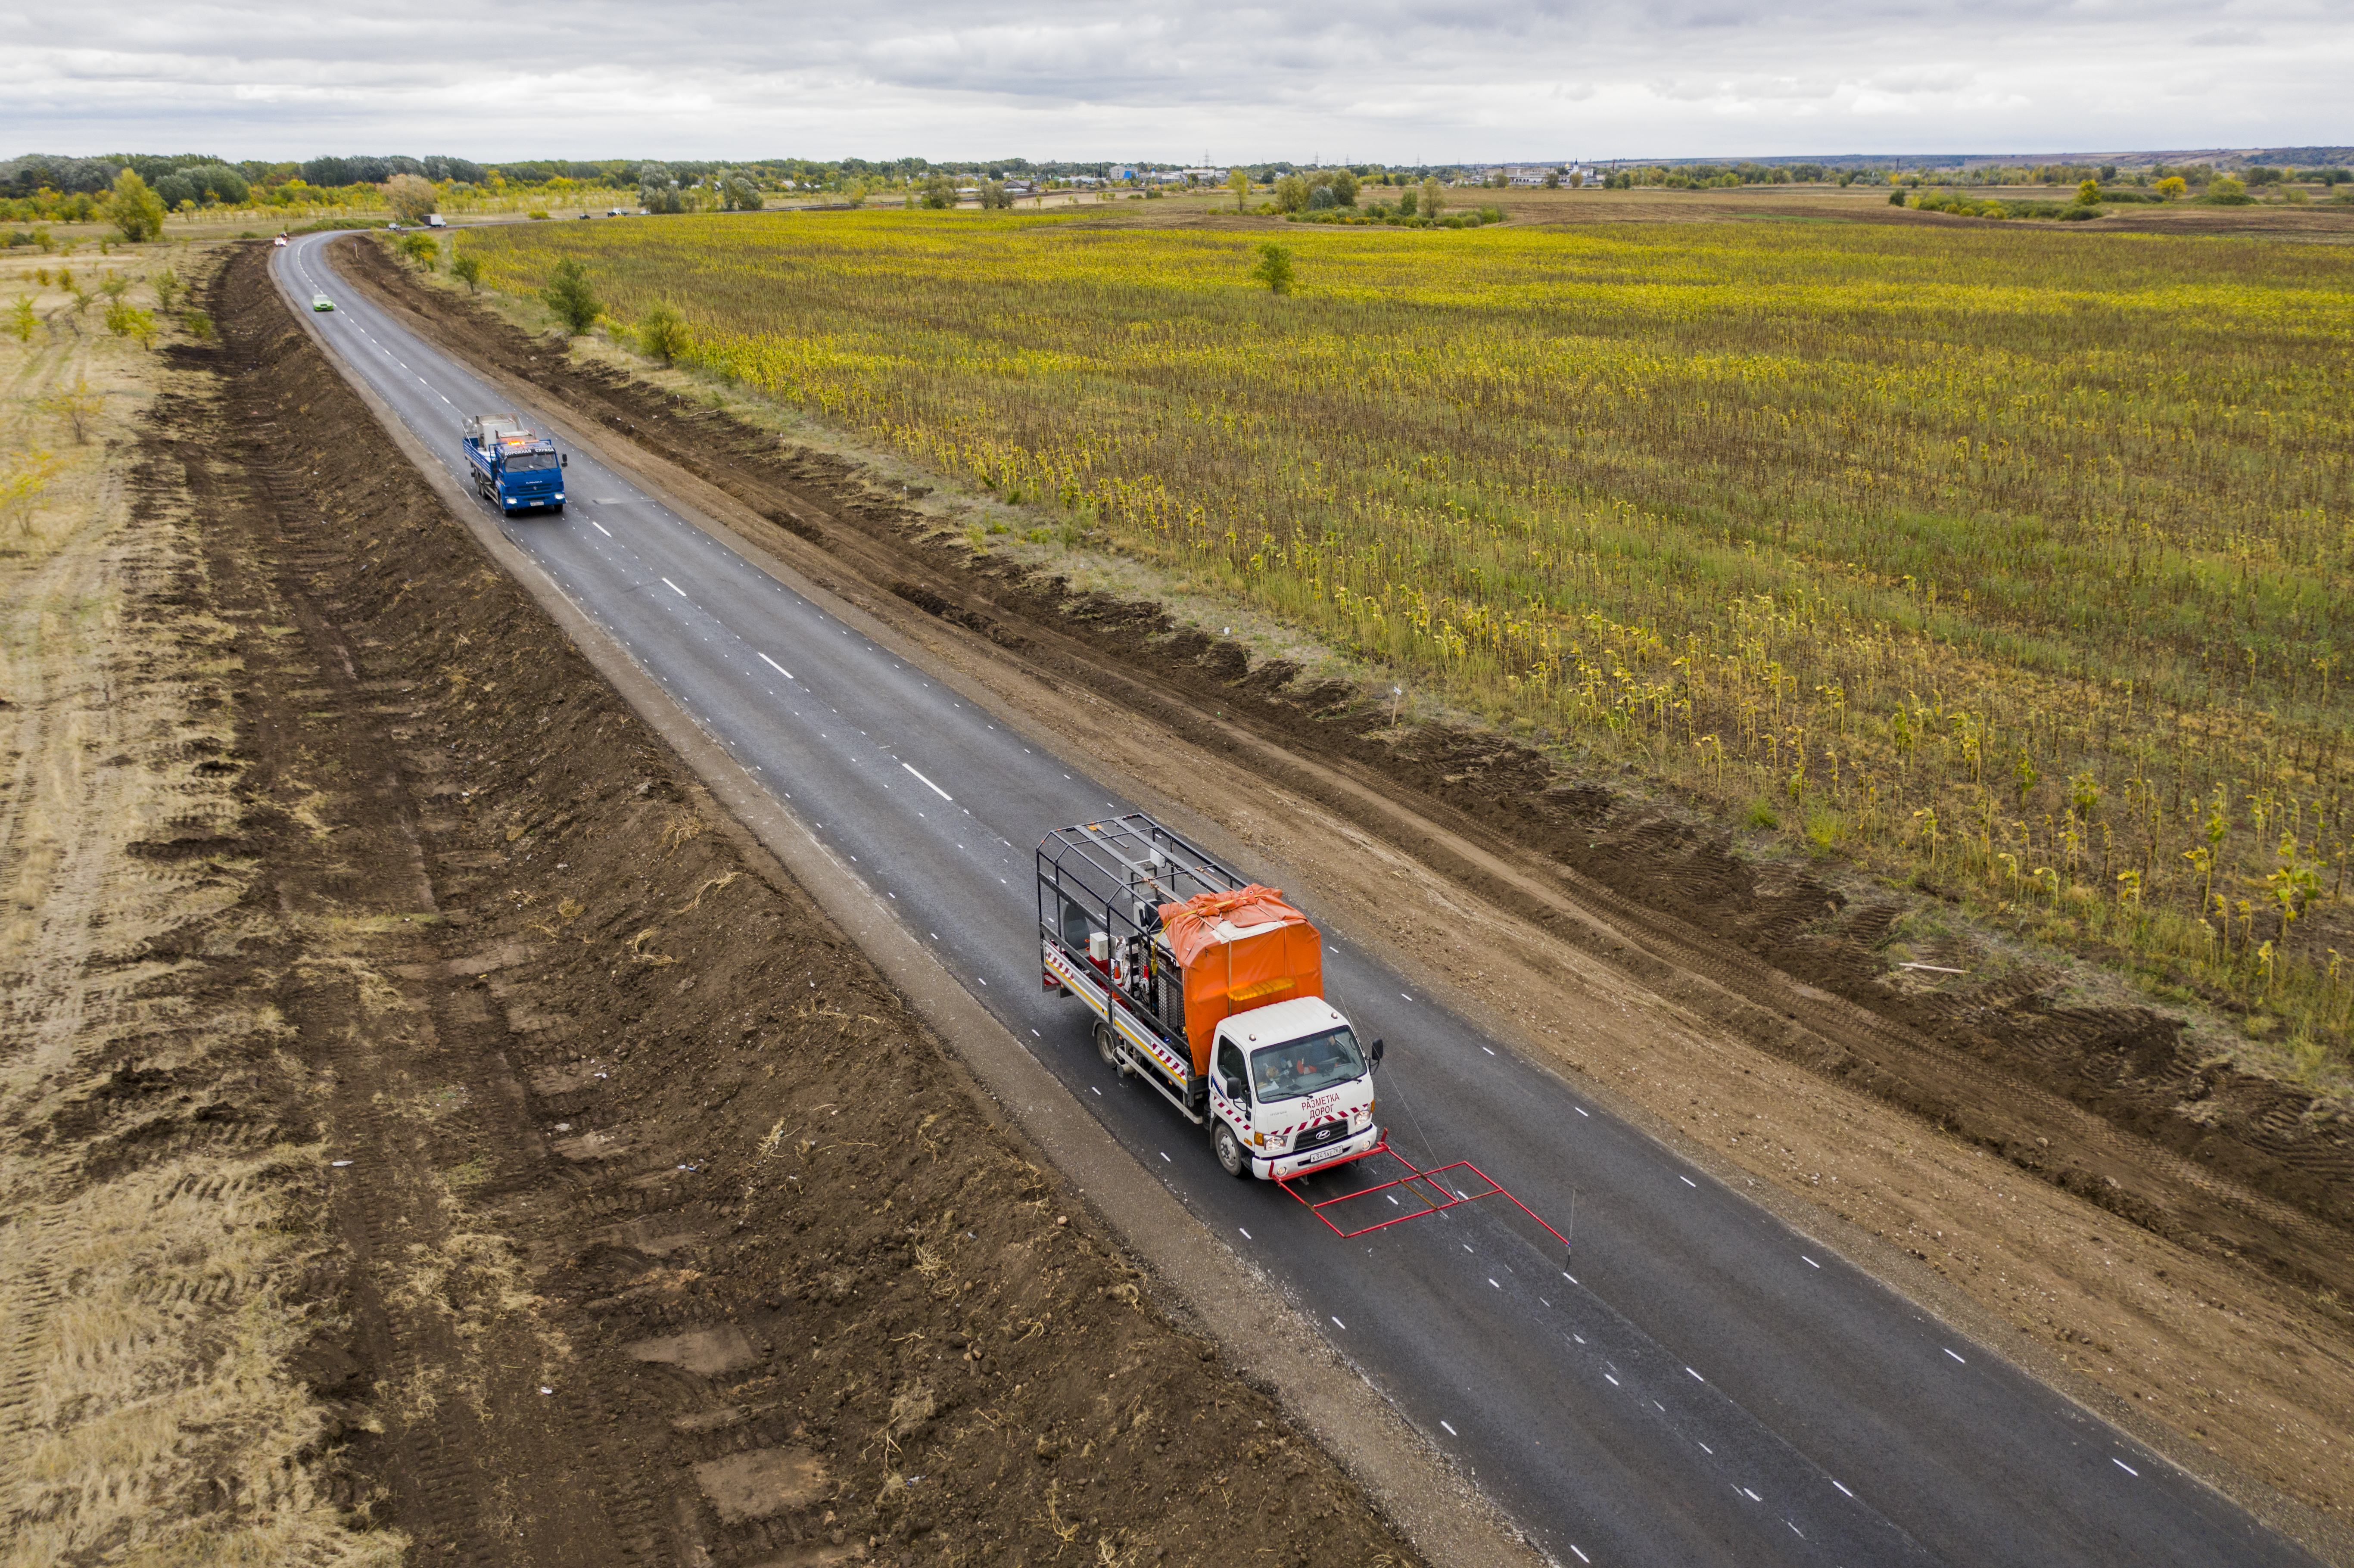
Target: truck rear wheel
<point>1229,1151</point>
<point>1104,1047</point>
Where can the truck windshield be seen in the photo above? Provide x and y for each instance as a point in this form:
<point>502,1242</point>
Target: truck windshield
<point>524,463</point>
<point>1301,1067</point>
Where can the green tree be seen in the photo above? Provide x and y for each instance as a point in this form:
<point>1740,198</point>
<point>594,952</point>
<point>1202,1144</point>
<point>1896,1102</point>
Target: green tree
<point>467,269</point>
<point>1238,182</point>
<point>2171,187</point>
<point>1433,197</point>
<point>658,189</point>
<point>939,191</point>
<point>662,333</point>
<point>737,193</point>
<point>126,320</point>
<point>422,248</point>
<point>1290,194</point>
<point>1344,187</point>
<point>411,197</point>
<point>78,406</point>
<point>1273,268</point>
<point>2088,194</point>
<point>135,209</point>
<point>568,295</point>
<point>21,320</point>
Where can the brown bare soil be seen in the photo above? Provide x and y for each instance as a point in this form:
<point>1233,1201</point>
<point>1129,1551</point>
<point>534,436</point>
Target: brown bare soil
<point>644,1222</point>
<point>2234,1193</point>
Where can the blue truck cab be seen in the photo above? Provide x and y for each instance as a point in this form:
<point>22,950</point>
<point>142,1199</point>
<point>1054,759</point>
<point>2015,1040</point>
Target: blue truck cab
<point>514,469</point>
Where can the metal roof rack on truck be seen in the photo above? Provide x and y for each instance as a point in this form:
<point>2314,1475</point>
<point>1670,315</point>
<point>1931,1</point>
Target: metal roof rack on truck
<point>1135,855</point>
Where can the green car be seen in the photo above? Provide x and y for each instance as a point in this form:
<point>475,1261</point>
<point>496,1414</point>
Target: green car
<point>321,302</point>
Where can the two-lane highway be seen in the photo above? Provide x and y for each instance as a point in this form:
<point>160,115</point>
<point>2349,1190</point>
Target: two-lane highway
<point>1699,1384</point>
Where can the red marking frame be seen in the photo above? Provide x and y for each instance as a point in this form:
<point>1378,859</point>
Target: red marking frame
<point>1417,1183</point>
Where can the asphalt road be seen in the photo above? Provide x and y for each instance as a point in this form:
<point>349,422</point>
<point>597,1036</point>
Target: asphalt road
<point>1699,1384</point>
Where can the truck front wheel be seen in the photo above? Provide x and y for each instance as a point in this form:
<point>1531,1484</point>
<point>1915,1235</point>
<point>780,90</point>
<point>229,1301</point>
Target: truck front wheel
<point>1229,1151</point>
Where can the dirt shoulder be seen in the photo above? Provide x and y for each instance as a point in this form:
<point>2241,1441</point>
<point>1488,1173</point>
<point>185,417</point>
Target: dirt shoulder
<point>493,1160</point>
<point>171,1384</point>
<point>2167,1240</point>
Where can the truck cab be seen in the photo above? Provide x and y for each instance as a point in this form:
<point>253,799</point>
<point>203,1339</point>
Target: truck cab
<point>1290,1089</point>
<point>514,469</point>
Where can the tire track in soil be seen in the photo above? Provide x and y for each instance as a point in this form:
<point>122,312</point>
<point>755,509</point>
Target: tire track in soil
<point>381,1014</point>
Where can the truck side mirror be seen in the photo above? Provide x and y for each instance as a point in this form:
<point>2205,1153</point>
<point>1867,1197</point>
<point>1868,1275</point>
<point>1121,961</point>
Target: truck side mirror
<point>564,460</point>
<point>1374,1054</point>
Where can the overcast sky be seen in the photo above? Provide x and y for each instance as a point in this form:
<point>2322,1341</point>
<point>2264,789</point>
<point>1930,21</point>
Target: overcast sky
<point>1387,81</point>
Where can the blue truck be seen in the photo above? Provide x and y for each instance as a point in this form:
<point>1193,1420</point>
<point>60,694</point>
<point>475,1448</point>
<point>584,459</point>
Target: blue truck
<point>514,469</point>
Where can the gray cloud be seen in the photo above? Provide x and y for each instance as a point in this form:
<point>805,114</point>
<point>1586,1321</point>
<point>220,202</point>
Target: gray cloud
<point>1389,79</point>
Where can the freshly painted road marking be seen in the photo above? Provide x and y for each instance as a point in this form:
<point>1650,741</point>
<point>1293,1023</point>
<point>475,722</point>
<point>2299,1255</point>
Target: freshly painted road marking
<point>934,789</point>
<point>1246,1235</point>
<point>1490,1049</point>
<point>1450,1431</point>
<point>1842,1488</point>
<point>779,669</point>
<point>674,587</point>
<point>1164,1154</point>
<point>1611,1381</point>
<point>1956,1358</point>
<point>2121,1465</point>
<point>1809,1262</point>
<point>1696,1377</point>
<point>601,527</point>
<point>1753,1497</point>
<point>1338,1324</point>
<point>1491,1280</point>
<point>1687,1180</point>
<point>1580,1110</point>
<point>1582,1557</point>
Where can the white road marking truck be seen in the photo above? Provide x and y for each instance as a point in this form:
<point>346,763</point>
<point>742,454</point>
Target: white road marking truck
<point>1210,988</point>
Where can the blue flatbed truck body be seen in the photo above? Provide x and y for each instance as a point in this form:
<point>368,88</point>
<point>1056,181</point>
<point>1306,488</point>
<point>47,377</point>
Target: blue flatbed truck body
<point>514,469</point>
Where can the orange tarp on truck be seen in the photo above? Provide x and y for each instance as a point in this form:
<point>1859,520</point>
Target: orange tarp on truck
<point>1240,950</point>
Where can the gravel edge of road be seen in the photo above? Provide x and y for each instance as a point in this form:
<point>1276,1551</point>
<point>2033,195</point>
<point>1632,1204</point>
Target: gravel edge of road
<point>1445,1516</point>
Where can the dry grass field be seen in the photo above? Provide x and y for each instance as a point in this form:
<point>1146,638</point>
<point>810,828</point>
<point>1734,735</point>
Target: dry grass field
<point>1994,557</point>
